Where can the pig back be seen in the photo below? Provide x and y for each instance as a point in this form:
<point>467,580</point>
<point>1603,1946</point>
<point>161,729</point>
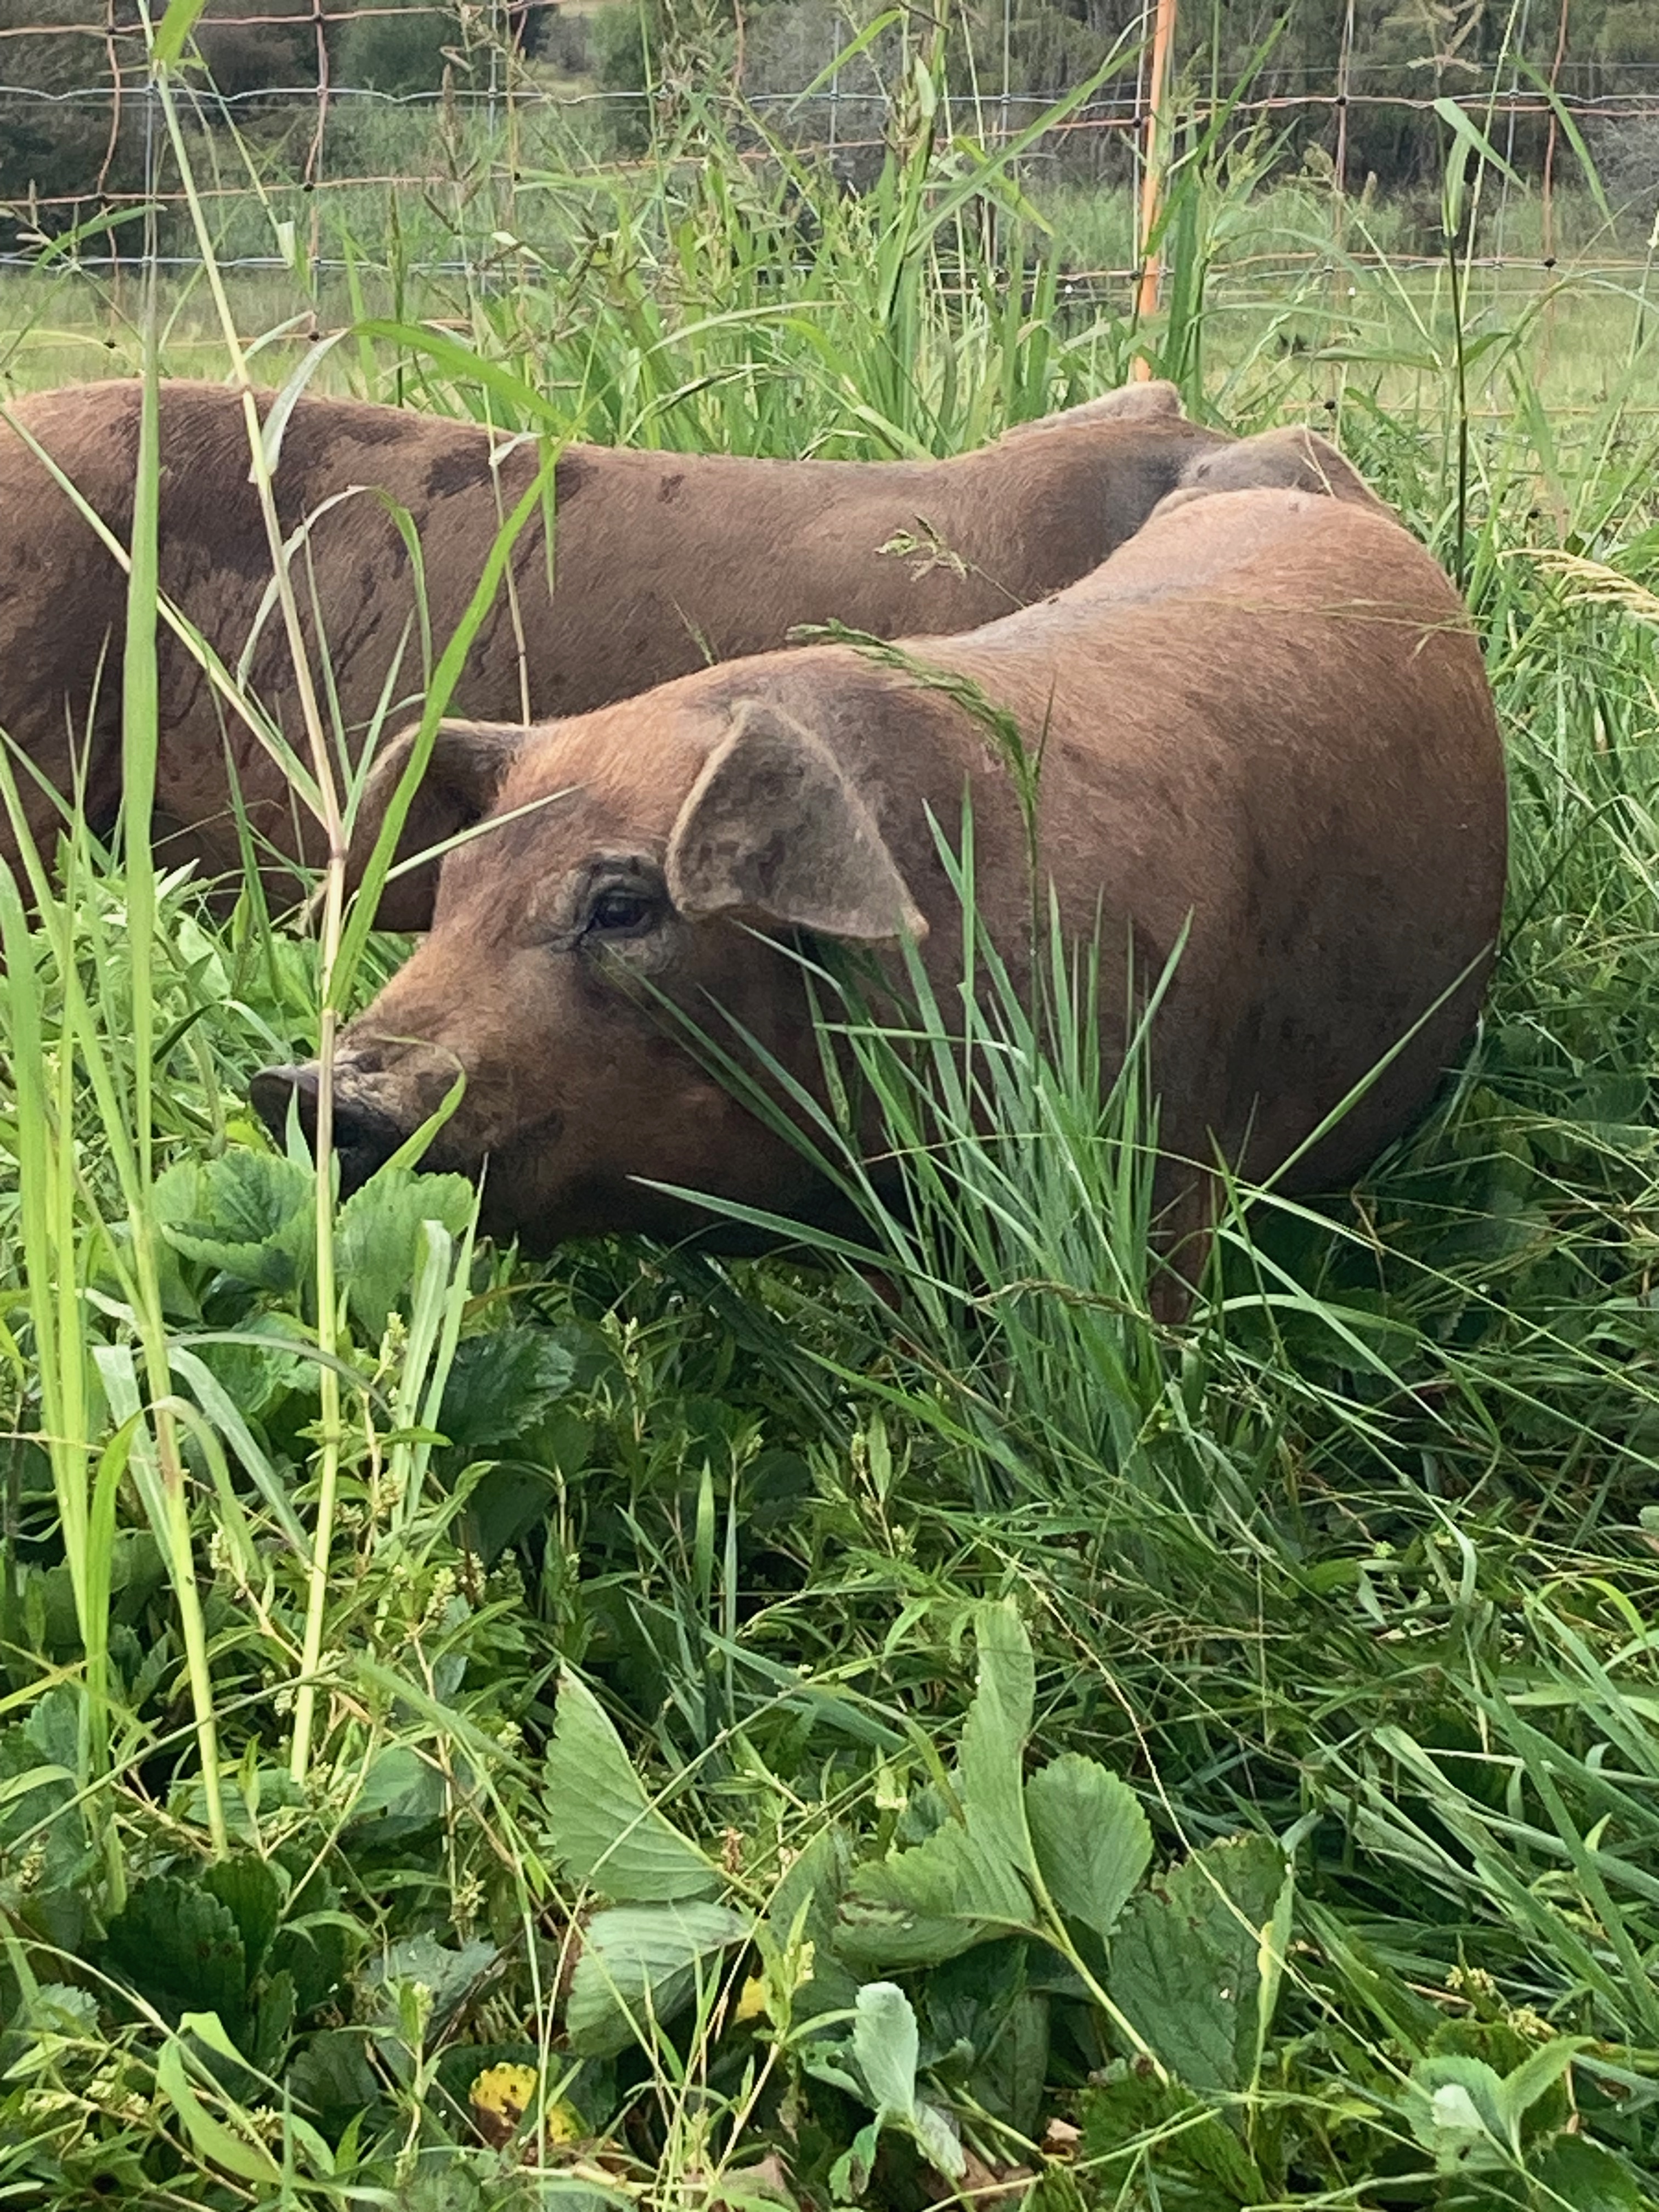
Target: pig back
<point>1266,722</point>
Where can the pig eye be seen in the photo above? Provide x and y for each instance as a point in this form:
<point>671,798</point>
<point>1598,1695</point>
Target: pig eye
<point>621,910</point>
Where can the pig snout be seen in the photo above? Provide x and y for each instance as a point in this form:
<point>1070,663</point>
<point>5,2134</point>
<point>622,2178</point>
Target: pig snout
<point>272,1091</point>
<point>364,1137</point>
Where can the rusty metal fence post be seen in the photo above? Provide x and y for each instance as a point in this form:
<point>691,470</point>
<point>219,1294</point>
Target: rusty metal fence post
<point>1154,162</point>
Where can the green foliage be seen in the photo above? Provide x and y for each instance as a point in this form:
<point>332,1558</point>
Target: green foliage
<point>399,50</point>
<point>381,1234</point>
<point>641,1966</point>
<point>885,2047</point>
<point>181,1948</point>
<point>70,111</point>
<point>246,1215</point>
<point>1197,1962</point>
<point>1090,1839</point>
<point>840,1745</point>
<point>606,1832</point>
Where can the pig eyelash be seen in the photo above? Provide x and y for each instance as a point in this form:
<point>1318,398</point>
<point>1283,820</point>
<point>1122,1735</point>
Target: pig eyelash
<point>643,907</point>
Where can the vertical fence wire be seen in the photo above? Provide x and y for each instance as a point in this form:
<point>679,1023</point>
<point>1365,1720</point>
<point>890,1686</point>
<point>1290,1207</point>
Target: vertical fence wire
<point>1548,186</point>
<point>1344,78</point>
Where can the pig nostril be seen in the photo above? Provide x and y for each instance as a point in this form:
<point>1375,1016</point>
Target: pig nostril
<point>273,1090</point>
<point>364,1139</point>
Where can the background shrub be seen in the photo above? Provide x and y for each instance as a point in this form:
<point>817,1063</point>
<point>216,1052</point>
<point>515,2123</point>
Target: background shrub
<point>247,53</point>
<point>71,125</point>
<point>401,52</point>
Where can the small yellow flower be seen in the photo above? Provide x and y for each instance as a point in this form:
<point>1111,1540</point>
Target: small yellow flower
<point>561,2124</point>
<point>499,2098</point>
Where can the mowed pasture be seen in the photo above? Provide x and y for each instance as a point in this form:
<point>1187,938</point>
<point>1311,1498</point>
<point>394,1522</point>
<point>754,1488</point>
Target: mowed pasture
<point>893,1723</point>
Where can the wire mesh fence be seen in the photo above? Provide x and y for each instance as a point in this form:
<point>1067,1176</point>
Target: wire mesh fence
<point>385,152</point>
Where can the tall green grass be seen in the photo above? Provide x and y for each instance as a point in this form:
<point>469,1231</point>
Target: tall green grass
<point>309,1509</point>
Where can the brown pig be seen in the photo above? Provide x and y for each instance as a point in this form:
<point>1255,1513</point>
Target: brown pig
<point>1265,721</point>
<point>664,562</point>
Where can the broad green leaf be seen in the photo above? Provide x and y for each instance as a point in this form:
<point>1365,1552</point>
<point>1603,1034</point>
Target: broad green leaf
<point>851,2171</point>
<point>180,1948</point>
<point>499,1385</point>
<point>273,2024</point>
<point>244,2155</point>
<point>938,2139</point>
<point>331,2077</point>
<point>1467,2113</point>
<point>38,1795</point>
<point>53,1726</point>
<point>401,1794</point>
<point>927,1903</point>
<point>1455,2108</point>
<point>502,1503</point>
<point>1010,2077</point>
<point>1186,1963</point>
<point>815,1878</point>
<point>886,2044</point>
<point>980,2006</point>
<point>1134,2123</point>
<point>994,1734</point>
<point>250,1892</point>
<point>55,2008</point>
<point>249,1214</point>
<point>1092,1841</point>
<point>1589,2178</point>
<point>314,1945</point>
<point>966,1881</point>
<point>374,1245</point>
<point>605,1832</point>
<point>1535,2077</point>
<point>639,1965</point>
<point>448,1976</point>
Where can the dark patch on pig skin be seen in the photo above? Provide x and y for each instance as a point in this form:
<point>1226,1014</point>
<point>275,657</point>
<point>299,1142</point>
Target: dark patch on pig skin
<point>456,471</point>
<point>571,475</point>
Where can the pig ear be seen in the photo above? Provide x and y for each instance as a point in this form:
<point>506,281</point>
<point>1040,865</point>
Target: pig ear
<point>1278,460</point>
<point>1130,402</point>
<point>772,826</point>
<point>463,775</point>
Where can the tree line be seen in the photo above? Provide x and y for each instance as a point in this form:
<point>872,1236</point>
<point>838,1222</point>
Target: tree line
<point>73,125</point>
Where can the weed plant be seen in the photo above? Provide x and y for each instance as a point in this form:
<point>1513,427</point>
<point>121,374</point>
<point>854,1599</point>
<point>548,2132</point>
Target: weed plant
<point>653,1730</point>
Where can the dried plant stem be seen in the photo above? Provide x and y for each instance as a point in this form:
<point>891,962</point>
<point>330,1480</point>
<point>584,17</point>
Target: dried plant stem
<point>331,819</point>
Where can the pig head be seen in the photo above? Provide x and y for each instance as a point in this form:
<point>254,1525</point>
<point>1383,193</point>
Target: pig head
<point>648,903</point>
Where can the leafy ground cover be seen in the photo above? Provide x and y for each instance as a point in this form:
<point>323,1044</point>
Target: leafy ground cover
<point>647,1730</point>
